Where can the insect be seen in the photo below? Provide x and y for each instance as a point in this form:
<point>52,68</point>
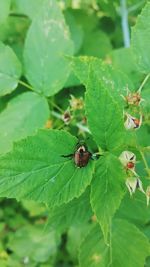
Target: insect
<point>81,156</point>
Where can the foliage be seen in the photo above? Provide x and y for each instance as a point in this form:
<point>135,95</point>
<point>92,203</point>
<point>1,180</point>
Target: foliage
<point>67,82</point>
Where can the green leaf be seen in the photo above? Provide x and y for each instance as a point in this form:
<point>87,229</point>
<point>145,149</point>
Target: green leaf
<point>10,70</point>
<point>75,212</point>
<point>36,170</point>
<point>96,43</point>
<point>107,190</point>
<point>109,76</point>
<point>23,115</point>
<point>140,39</point>
<point>128,247</point>
<point>75,30</point>
<point>47,43</point>
<point>137,204</point>
<point>4,10</point>
<point>32,242</point>
<point>105,118</point>
<point>27,7</point>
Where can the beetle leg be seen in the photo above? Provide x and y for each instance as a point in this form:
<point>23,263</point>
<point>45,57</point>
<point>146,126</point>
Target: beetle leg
<point>67,156</point>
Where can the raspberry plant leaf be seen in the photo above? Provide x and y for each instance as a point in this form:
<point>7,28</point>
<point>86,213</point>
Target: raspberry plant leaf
<point>123,250</point>
<point>47,43</point>
<point>109,76</point>
<point>140,39</point>
<point>36,170</point>
<point>10,70</point>
<point>141,212</point>
<point>28,7</point>
<point>4,10</point>
<point>75,212</point>
<point>107,190</point>
<point>105,117</point>
<point>14,125</point>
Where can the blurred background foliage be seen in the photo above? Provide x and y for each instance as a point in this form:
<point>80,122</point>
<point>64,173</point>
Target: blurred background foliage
<point>96,30</point>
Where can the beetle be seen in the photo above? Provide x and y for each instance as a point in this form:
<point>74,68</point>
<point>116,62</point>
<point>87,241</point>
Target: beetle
<point>81,156</point>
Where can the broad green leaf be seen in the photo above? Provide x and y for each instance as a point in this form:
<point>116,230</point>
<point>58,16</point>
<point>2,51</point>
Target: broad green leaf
<point>128,247</point>
<point>140,39</point>
<point>107,190</point>
<point>75,236</point>
<point>4,9</point>
<point>23,115</point>
<point>134,209</point>
<point>104,115</point>
<point>30,241</point>
<point>115,80</point>
<point>96,43</point>
<point>36,170</point>
<point>75,30</point>
<point>10,70</point>
<point>47,43</point>
<point>27,7</point>
<point>75,212</point>
<point>123,60</point>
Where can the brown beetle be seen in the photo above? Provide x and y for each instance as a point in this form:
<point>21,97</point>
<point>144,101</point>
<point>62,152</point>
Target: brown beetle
<point>81,156</point>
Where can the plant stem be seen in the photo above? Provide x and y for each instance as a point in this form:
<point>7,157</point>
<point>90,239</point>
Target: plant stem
<point>79,125</point>
<point>56,106</point>
<point>136,6</point>
<point>145,163</point>
<point>143,83</point>
<point>124,22</point>
<point>26,85</point>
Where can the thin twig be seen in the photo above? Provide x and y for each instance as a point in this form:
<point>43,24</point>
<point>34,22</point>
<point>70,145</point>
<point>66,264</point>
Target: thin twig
<point>124,22</point>
<point>143,83</point>
<point>26,85</point>
<point>136,6</point>
<point>145,163</point>
<point>79,125</point>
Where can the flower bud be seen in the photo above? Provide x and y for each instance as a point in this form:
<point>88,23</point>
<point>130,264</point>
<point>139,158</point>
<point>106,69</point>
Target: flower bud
<point>66,117</point>
<point>76,103</point>
<point>132,122</point>
<point>134,183</point>
<point>147,195</point>
<point>128,159</point>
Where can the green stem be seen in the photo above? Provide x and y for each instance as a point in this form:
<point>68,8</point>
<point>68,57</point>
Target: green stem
<point>56,106</point>
<point>145,163</point>
<point>26,85</point>
<point>143,83</point>
<point>124,22</point>
<point>136,6</point>
<point>79,125</point>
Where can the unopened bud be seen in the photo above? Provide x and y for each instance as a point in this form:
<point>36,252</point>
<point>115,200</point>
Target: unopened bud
<point>148,195</point>
<point>132,122</point>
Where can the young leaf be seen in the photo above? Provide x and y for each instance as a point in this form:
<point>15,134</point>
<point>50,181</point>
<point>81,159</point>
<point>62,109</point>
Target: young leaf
<point>10,70</point>
<point>75,212</point>
<point>105,118</point>
<point>23,115</point>
<point>117,81</point>
<point>36,169</point>
<point>4,10</point>
<point>128,247</point>
<point>140,39</point>
<point>107,190</point>
<point>46,44</point>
